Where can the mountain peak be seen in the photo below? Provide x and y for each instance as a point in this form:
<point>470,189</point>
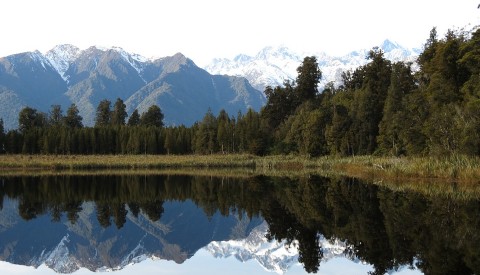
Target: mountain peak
<point>389,45</point>
<point>175,62</point>
<point>61,56</point>
<point>272,65</point>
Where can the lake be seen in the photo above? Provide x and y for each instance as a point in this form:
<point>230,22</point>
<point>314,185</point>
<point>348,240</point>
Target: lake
<point>183,224</point>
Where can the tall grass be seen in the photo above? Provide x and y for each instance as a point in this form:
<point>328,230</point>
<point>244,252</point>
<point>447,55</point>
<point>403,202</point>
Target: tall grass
<point>451,168</point>
<point>454,176</point>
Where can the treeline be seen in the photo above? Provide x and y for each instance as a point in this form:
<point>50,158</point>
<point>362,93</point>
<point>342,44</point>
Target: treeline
<point>381,108</point>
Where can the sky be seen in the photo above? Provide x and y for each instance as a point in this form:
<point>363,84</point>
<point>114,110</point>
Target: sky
<point>203,30</point>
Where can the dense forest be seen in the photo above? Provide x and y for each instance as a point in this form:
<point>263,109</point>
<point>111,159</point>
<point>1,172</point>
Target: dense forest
<point>431,107</point>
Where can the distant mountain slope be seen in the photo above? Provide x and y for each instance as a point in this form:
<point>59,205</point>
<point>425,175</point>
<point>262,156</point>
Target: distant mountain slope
<point>66,75</point>
<point>65,247</point>
<point>273,65</point>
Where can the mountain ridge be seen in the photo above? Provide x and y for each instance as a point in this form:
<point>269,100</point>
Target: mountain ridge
<point>272,65</point>
<point>65,75</point>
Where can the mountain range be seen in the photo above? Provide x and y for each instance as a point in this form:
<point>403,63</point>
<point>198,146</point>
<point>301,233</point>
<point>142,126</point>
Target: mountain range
<point>271,66</point>
<point>66,75</point>
<point>184,91</point>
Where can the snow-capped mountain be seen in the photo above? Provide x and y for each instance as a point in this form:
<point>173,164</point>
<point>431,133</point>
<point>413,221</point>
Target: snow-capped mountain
<point>61,56</point>
<point>271,66</point>
<point>272,255</point>
<point>66,75</point>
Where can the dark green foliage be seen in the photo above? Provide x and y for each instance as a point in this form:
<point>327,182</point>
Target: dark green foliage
<point>380,108</point>
<point>104,114</point>
<point>2,137</point>
<point>152,117</point>
<point>206,136</point>
<point>55,117</point>
<point>402,83</point>
<point>309,76</point>
<point>281,102</point>
<point>30,118</point>
<point>73,119</point>
<point>134,118</point>
<point>119,113</point>
<point>369,103</point>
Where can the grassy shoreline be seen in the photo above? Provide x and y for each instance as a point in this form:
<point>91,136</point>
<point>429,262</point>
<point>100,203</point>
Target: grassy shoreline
<point>455,177</point>
<point>452,168</point>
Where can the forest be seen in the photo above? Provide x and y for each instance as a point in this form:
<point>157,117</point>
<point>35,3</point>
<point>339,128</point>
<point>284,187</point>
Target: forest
<point>431,107</point>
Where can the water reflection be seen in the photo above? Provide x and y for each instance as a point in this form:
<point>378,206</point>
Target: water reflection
<point>110,221</point>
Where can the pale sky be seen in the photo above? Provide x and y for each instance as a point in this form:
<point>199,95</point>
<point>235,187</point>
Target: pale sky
<point>202,30</point>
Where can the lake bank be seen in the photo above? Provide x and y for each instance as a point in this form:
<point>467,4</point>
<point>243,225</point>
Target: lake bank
<point>452,168</point>
<point>454,176</point>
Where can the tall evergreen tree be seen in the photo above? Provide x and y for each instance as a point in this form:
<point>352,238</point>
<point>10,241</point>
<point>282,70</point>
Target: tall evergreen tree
<point>29,118</point>
<point>55,117</point>
<point>104,115</point>
<point>152,117</point>
<point>73,118</point>
<point>119,113</point>
<point>206,135</point>
<point>369,102</point>
<point>281,102</point>
<point>402,83</point>
<point>224,132</point>
<point>134,119</point>
<point>309,76</point>
<point>2,137</point>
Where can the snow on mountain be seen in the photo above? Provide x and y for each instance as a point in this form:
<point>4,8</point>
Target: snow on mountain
<point>271,255</point>
<point>135,60</point>
<point>271,66</point>
<point>61,56</point>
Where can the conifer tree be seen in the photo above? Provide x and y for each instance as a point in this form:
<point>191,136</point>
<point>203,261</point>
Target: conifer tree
<point>55,117</point>
<point>309,76</point>
<point>152,117</point>
<point>2,137</point>
<point>119,113</point>
<point>73,118</point>
<point>392,123</point>
<point>104,114</point>
<point>29,118</point>
<point>134,118</point>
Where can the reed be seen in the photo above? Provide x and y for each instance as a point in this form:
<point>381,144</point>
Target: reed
<point>452,168</point>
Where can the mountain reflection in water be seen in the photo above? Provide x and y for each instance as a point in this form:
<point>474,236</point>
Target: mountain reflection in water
<point>109,222</point>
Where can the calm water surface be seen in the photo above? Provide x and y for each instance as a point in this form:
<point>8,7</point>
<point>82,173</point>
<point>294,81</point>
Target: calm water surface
<point>211,225</point>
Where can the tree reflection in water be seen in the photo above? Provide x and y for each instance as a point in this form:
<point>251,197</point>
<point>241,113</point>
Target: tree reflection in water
<point>384,228</point>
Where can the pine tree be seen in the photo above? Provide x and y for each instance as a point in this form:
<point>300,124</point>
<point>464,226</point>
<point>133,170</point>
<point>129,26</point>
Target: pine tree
<point>369,102</point>
<point>402,83</point>
<point>206,135</point>
<point>134,119</point>
<point>104,114</point>
<point>309,76</point>
<point>73,118</point>
<point>152,117</point>
<point>29,118</point>
<point>55,117</point>
<point>2,137</point>
<point>119,113</point>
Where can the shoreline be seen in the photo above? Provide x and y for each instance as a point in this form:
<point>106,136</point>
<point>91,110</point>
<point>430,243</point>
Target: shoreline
<point>452,168</point>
